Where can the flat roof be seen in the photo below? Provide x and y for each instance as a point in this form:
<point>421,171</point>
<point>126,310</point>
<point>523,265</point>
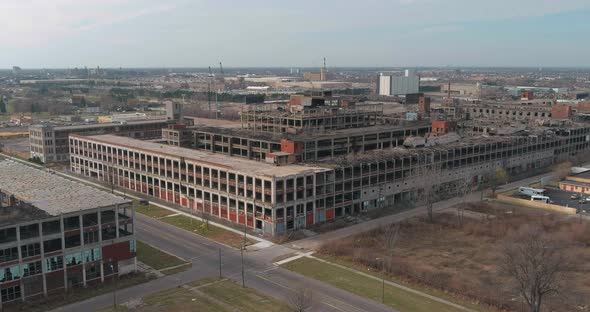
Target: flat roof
<point>50,192</point>
<point>575,183</point>
<point>208,122</point>
<point>582,175</point>
<point>218,160</point>
<point>312,134</point>
<point>107,124</point>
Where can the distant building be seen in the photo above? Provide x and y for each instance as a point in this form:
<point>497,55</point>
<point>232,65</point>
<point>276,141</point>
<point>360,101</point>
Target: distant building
<point>424,105</point>
<point>322,75</point>
<point>50,143</point>
<point>561,111</point>
<point>398,85</point>
<point>527,95</point>
<point>443,127</point>
<point>173,110</point>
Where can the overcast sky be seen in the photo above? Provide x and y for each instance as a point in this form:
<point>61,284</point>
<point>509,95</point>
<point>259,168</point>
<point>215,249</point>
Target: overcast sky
<point>193,33</point>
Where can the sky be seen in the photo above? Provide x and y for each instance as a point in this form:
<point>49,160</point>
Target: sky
<point>283,33</point>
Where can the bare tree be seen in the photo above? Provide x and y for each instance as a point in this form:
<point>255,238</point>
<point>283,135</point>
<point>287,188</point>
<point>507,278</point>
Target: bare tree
<point>206,216</point>
<point>536,265</point>
<point>497,177</point>
<point>301,299</point>
<point>463,190</point>
<point>428,177</point>
<point>390,237</point>
<point>562,170</point>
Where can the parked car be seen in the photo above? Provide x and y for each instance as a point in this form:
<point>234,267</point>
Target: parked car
<point>575,196</point>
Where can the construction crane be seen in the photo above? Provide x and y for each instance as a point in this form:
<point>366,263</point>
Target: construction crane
<point>209,90</point>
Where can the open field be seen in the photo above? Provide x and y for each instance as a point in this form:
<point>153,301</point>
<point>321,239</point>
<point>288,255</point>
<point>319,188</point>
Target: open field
<point>198,227</point>
<point>463,258</point>
<point>209,294</point>
<point>396,298</point>
<point>160,260</point>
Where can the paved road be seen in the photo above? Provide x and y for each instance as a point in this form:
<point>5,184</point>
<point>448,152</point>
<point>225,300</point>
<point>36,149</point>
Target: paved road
<point>261,274</point>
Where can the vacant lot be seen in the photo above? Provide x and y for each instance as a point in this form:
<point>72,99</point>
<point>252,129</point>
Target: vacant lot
<point>206,295</point>
<point>463,257</point>
<point>394,297</point>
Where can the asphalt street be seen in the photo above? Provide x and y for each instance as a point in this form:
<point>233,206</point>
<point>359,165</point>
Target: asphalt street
<point>260,274</point>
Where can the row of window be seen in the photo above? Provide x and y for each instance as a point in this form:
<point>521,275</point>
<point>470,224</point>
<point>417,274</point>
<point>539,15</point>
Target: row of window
<point>51,264</point>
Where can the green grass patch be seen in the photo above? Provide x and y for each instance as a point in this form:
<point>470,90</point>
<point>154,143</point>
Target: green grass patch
<point>431,291</point>
<point>232,297</point>
<point>203,281</point>
<point>246,299</point>
<point>156,258</point>
<point>366,287</point>
<point>151,210</point>
<point>212,232</point>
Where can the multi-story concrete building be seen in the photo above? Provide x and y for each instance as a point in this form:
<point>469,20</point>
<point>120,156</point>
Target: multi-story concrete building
<point>306,146</point>
<point>275,199</point>
<point>242,191</point>
<point>50,143</point>
<point>56,234</point>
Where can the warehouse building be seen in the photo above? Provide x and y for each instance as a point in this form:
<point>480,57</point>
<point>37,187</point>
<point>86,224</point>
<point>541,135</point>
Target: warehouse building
<point>306,146</point>
<point>275,198</point>
<point>50,143</point>
<point>57,234</point>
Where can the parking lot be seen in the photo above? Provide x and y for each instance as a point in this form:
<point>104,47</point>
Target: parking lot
<point>563,198</point>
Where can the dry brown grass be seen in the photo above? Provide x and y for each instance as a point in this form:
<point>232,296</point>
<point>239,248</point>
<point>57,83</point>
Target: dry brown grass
<point>464,258</point>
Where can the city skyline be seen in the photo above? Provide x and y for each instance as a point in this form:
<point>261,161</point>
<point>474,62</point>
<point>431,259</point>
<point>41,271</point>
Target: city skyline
<point>423,33</point>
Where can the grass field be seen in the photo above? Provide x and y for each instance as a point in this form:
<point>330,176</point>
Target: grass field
<point>366,287</point>
<point>459,258</point>
<point>209,294</point>
<point>160,260</point>
<point>190,224</point>
<point>151,210</point>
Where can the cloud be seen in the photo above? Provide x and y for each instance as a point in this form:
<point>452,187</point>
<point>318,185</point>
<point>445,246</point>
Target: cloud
<point>36,23</point>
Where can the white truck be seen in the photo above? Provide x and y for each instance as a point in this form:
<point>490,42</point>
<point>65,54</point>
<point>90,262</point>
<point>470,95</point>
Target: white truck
<point>529,191</point>
<point>541,199</point>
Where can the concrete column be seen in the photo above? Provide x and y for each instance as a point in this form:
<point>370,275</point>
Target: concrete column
<point>99,225</point>
<point>314,203</point>
<point>273,192</point>
<point>117,220</point>
<point>63,244</point>
<point>20,262</point>
<point>101,271</point>
<point>43,258</point>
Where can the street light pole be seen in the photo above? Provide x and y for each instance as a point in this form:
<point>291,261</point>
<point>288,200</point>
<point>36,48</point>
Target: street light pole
<point>115,289</point>
<point>242,255</point>
<point>220,263</point>
<point>382,280</point>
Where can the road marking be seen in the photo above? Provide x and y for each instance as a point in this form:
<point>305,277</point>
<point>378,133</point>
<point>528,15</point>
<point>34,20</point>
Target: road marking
<point>333,306</point>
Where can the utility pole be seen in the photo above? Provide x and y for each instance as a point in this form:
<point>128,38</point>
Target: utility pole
<point>242,255</point>
<point>115,289</point>
<point>220,263</point>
